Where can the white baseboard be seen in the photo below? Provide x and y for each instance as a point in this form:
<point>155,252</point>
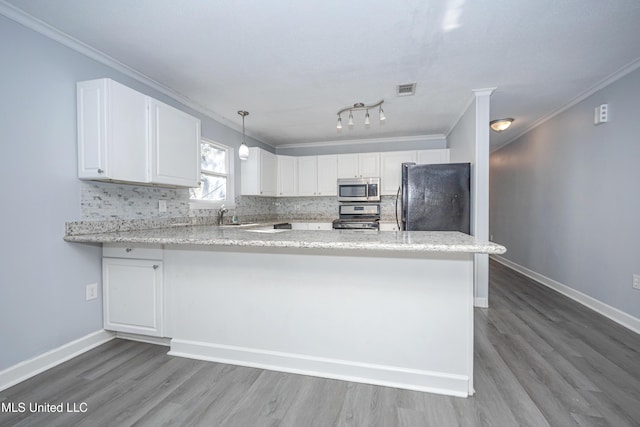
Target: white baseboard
<point>27,369</point>
<point>390,376</point>
<point>481,302</point>
<point>144,338</point>
<point>618,316</point>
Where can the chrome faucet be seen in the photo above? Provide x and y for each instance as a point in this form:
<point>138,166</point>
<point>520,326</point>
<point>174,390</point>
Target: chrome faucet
<point>221,213</point>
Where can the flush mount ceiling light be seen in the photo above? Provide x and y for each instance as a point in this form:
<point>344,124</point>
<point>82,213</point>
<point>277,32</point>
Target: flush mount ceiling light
<point>243,151</point>
<point>500,125</point>
<point>360,106</point>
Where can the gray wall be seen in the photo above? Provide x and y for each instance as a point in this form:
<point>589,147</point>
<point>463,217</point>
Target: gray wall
<point>42,284</point>
<point>565,197</point>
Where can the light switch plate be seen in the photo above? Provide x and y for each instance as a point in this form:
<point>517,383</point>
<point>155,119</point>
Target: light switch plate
<point>636,281</point>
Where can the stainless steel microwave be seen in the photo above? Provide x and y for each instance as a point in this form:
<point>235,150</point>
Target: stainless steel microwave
<point>359,189</point>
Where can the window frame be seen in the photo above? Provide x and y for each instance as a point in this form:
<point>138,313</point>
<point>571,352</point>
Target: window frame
<point>229,202</point>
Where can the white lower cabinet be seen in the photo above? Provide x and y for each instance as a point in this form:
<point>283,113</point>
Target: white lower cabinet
<point>133,295</point>
<point>388,226</point>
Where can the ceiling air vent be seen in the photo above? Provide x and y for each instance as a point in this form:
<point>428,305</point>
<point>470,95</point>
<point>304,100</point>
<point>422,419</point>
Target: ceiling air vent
<point>406,89</point>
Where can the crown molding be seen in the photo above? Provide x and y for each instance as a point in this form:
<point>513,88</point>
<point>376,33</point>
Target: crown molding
<point>611,78</point>
<point>364,141</point>
<point>41,27</point>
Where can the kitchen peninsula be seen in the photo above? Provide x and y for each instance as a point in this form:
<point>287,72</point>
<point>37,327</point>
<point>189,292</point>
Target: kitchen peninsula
<point>387,308</point>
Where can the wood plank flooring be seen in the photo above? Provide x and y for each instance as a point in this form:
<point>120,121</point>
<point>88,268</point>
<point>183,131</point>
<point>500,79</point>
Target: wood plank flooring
<point>541,360</point>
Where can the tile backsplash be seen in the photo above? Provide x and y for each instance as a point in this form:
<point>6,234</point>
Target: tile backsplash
<point>111,201</point>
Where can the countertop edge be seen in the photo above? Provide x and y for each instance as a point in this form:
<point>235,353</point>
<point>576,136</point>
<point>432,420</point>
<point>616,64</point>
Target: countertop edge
<point>488,248</point>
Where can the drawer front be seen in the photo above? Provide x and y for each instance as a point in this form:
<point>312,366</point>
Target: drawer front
<point>135,251</point>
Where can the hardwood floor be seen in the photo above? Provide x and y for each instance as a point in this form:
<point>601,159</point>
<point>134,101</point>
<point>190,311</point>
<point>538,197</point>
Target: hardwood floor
<point>541,360</point>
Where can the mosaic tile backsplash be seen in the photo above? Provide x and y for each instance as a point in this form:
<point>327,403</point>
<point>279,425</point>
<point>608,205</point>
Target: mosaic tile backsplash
<point>131,206</point>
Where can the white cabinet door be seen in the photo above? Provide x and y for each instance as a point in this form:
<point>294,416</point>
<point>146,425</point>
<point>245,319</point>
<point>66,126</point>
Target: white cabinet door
<point>388,226</point>
<point>124,135</point>
<point>113,133</point>
<point>258,173</point>
<point>321,226</point>
<point>433,156</point>
<point>369,164</point>
<point>308,176</point>
<point>268,173</point>
<point>327,175</point>
<point>175,146</point>
<point>287,176</point>
<point>391,177</point>
<point>359,165</point>
<point>347,166</point>
<point>132,294</point>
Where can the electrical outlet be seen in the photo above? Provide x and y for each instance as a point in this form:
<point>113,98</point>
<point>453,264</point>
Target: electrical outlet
<point>296,207</point>
<point>636,281</point>
<point>162,205</point>
<point>92,291</point>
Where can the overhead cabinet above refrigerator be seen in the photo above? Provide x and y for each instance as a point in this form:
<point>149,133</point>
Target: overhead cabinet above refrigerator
<point>126,136</point>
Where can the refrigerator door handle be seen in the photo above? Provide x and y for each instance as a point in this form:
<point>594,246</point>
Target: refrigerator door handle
<point>397,197</point>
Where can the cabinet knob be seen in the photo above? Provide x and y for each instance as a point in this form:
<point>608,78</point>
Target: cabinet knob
<point>100,171</point>
<point>155,266</point>
<point>128,250</point>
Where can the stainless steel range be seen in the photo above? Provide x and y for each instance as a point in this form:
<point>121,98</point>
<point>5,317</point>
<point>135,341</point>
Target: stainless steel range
<point>358,216</point>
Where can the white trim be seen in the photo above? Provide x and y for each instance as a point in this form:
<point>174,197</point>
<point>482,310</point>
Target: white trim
<point>144,338</point>
<point>35,24</point>
<point>364,141</point>
<point>389,376</point>
<point>481,302</point>
<point>611,78</point>
<point>476,93</point>
<point>618,316</point>
<point>27,369</point>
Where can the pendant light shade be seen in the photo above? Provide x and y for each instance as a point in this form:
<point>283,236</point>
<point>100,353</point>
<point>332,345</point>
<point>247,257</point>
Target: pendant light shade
<point>243,151</point>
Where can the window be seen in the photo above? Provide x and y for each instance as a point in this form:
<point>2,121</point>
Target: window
<point>216,179</point>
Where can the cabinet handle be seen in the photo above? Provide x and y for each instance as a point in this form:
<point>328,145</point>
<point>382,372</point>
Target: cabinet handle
<point>128,250</point>
<point>155,266</point>
<point>100,171</point>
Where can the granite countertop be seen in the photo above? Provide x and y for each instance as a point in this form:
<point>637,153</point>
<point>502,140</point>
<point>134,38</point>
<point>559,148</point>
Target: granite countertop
<point>261,236</point>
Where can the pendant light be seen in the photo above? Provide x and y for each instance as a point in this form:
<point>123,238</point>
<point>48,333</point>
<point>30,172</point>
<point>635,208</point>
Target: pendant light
<point>243,151</point>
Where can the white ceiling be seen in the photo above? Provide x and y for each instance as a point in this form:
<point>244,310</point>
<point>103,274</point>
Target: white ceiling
<point>294,64</point>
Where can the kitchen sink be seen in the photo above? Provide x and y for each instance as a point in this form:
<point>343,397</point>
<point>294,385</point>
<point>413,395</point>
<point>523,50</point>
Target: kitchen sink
<point>239,224</point>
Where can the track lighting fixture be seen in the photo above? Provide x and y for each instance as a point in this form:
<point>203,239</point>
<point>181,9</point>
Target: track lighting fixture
<point>360,106</point>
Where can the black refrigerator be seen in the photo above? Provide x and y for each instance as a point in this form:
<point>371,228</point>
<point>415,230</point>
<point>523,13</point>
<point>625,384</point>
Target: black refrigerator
<point>436,197</point>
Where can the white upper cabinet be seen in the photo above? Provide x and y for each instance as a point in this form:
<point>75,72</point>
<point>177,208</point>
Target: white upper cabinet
<point>126,136</point>
<point>308,176</point>
<point>328,175</point>
<point>175,146</point>
<point>359,165</point>
<point>392,169</point>
<point>259,173</point>
<point>433,156</point>
<point>287,176</point>
<point>369,164</point>
<point>347,166</point>
<point>317,175</point>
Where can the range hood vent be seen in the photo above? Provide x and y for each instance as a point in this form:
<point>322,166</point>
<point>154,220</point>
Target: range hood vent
<point>406,89</point>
